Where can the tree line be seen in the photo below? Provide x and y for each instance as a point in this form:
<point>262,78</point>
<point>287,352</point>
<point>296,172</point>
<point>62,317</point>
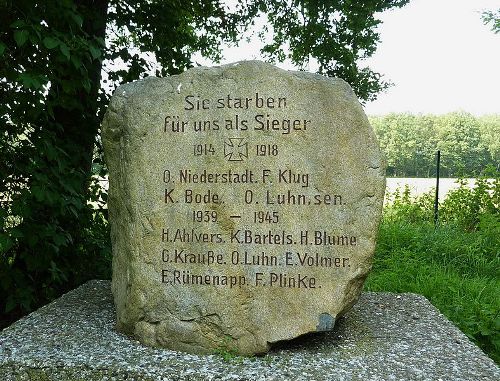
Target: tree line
<point>468,144</point>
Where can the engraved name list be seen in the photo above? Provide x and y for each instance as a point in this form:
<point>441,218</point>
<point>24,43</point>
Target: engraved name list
<point>241,193</point>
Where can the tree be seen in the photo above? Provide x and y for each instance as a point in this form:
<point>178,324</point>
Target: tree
<point>337,34</point>
<point>493,18</point>
<point>51,57</point>
<point>460,143</point>
<point>469,144</point>
<point>490,131</point>
<point>409,143</point>
<point>52,54</point>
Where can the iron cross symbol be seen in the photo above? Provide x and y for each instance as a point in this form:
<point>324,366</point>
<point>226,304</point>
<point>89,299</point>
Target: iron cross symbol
<point>235,149</point>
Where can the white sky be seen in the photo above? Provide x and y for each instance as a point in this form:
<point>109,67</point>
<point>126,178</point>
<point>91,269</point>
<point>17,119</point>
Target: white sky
<point>441,58</point>
<point>438,53</point>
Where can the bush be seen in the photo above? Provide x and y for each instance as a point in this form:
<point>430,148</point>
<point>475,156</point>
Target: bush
<point>41,255</point>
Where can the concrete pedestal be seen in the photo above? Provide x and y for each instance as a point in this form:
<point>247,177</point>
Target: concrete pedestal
<point>384,337</point>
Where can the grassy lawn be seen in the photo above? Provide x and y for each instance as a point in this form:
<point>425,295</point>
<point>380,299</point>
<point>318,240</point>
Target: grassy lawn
<point>456,265</point>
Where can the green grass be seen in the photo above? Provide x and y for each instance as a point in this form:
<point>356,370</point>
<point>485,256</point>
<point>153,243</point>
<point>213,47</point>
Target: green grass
<point>456,266</point>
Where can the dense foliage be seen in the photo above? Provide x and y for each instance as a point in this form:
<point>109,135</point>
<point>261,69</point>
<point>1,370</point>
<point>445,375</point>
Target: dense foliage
<point>53,222</point>
<point>468,144</point>
<point>455,265</point>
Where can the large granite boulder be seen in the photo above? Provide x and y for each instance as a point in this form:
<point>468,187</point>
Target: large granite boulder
<point>244,205</point>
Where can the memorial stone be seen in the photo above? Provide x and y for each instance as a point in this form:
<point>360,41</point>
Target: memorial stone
<point>244,204</point>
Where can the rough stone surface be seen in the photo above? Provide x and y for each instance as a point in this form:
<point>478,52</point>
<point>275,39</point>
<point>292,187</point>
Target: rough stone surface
<point>290,181</point>
<point>384,337</point>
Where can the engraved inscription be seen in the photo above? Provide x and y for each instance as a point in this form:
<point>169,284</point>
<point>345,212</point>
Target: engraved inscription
<point>236,215</point>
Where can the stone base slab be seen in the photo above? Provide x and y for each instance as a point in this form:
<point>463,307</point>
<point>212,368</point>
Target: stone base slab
<point>384,337</point>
